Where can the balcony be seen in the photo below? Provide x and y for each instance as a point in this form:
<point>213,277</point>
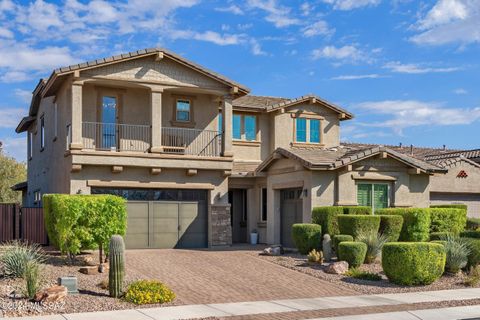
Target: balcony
<point>137,138</point>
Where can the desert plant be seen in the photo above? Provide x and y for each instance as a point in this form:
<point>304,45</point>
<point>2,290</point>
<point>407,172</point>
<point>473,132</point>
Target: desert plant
<point>327,218</point>
<point>148,291</point>
<point>457,250</point>
<point>116,272</point>
<point>374,242</point>
<point>413,263</point>
<point>474,255</point>
<point>15,255</point>
<point>416,222</point>
<point>357,224</point>
<point>473,224</point>
<point>473,278</point>
<point>315,256</point>
<point>352,252</point>
<point>32,278</point>
<point>391,226</point>
<point>307,236</point>
<point>449,219</point>
<point>363,275</point>
<point>340,238</point>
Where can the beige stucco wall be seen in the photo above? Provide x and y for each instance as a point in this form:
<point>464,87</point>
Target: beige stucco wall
<point>449,182</point>
<point>260,149</point>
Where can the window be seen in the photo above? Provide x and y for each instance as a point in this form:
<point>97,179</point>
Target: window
<point>373,195</point>
<point>109,119</point>
<point>263,216</point>
<point>37,196</point>
<point>220,122</point>
<point>307,130</point>
<point>42,133</point>
<point>244,127</point>
<point>30,145</point>
<point>183,110</point>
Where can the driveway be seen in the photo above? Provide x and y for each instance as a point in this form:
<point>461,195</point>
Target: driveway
<point>207,276</point>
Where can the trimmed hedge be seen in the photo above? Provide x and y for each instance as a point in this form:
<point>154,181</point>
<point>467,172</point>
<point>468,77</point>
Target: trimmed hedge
<point>357,224</point>
<point>352,252</point>
<point>327,218</point>
<point>442,242</point>
<point>474,256</point>
<point>337,239</point>
<point>470,234</point>
<point>438,235</point>
<point>76,222</point>
<point>455,206</point>
<point>449,219</point>
<point>413,263</point>
<point>307,236</point>
<point>416,222</point>
<point>391,227</point>
<point>357,210</point>
<point>473,224</point>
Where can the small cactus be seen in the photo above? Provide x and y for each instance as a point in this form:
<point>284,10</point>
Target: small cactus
<point>315,256</point>
<point>117,266</point>
<point>327,247</point>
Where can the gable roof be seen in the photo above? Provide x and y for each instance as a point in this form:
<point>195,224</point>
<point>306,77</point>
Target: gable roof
<point>451,162</point>
<point>335,158</point>
<point>259,103</point>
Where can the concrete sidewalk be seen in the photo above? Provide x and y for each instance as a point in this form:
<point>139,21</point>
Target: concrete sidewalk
<point>292,305</point>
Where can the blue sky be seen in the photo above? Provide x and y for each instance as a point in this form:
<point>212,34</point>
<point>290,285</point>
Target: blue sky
<point>408,70</point>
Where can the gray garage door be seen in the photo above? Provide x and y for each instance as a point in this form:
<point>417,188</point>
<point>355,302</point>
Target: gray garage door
<point>472,200</point>
<point>291,212</point>
<point>164,218</point>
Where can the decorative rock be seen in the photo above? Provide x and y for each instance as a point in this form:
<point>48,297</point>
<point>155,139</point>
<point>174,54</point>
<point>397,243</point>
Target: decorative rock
<point>103,267</point>
<point>275,250</point>
<point>89,270</point>
<point>327,247</point>
<point>52,294</point>
<point>88,261</point>
<point>339,267</point>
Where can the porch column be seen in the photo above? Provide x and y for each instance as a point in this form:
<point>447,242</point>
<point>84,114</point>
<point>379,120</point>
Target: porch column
<point>156,115</point>
<point>76,125</point>
<point>227,126</point>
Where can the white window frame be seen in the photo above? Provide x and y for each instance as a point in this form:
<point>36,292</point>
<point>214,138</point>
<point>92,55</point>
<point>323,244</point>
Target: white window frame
<point>243,134</point>
<point>307,130</point>
<point>189,110</point>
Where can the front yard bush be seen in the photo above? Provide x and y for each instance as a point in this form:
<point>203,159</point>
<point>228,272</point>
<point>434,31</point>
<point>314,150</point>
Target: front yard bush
<point>340,238</point>
<point>456,206</point>
<point>413,263</point>
<point>357,210</point>
<point>352,252</point>
<point>438,235</point>
<point>391,227</point>
<point>363,275</point>
<point>76,222</point>
<point>416,222</point>
<point>148,292</point>
<point>473,224</point>
<point>327,218</point>
<point>451,220</point>
<point>357,224</point>
<point>470,234</point>
<point>474,255</point>
<point>16,256</point>
<point>374,242</point>
<point>457,250</point>
<point>307,236</point>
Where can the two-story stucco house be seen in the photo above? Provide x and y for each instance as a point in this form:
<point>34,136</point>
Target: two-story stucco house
<point>200,161</point>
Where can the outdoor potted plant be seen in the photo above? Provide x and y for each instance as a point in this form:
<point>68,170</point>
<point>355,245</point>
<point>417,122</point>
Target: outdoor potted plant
<point>254,237</point>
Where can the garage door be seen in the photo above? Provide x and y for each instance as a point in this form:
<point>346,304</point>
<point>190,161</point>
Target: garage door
<point>291,212</point>
<point>164,218</point>
<point>472,200</point>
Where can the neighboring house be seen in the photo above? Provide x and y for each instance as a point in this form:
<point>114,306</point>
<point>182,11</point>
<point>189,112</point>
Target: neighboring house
<point>201,162</point>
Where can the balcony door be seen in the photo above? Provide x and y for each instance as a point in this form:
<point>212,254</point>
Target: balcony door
<point>109,122</point>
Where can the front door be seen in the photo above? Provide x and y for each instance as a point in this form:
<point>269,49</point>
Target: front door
<point>291,212</point>
<point>238,210</point>
<point>109,121</point>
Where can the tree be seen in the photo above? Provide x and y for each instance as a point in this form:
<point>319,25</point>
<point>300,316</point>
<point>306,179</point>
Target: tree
<point>11,173</point>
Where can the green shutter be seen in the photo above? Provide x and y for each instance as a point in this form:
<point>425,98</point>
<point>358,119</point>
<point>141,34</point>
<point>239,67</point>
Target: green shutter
<point>364,194</point>
<point>380,196</point>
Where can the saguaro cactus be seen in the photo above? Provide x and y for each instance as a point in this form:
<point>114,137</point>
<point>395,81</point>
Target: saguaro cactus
<point>117,266</point>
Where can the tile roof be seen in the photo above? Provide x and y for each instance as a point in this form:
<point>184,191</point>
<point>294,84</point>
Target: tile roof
<point>244,168</point>
<point>257,102</point>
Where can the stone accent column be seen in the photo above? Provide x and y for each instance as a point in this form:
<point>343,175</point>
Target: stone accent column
<point>227,126</point>
<point>221,226</point>
<point>156,115</point>
<point>77,118</point>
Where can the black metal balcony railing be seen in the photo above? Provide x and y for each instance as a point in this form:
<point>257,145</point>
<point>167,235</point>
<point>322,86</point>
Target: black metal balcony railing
<point>126,137</point>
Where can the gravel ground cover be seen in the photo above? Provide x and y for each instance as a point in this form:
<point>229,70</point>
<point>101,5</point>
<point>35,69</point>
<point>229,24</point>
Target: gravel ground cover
<point>90,298</point>
<point>299,263</point>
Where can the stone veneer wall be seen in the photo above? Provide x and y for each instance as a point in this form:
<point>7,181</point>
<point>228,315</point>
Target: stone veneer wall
<point>221,226</point>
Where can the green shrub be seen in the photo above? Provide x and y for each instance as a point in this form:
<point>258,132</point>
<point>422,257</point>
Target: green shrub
<point>307,236</point>
<point>340,238</point>
<point>416,222</point>
<point>148,292</point>
<point>352,252</point>
<point>33,279</point>
<point>474,255</point>
<point>438,235</point>
<point>451,220</point>
<point>391,226</point>
<point>442,242</point>
<point>356,224</point>
<point>76,222</point>
<point>457,250</point>
<point>327,218</point>
<point>413,263</point>
<point>363,275</point>
<point>473,278</point>
<point>374,242</point>
<point>16,255</point>
<point>470,234</point>
<point>473,224</point>
<point>455,206</point>
<point>357,210</point>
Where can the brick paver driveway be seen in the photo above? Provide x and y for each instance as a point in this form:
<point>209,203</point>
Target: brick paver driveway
<point>205,276</point>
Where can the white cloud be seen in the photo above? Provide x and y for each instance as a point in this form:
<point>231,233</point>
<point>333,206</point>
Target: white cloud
<point>351,4</point>
<point>14,76</point>
<point>15,147</point>
<point>5,33</point>
<point>460,91</point>
<point>210,36</point>
<point>411,113</point>
<point>449,21</point>
<point>23,95</point>
<point>349,52</point>
<point>231,9</point>
<point>396,66</point>
<point>306,8</point>
<point>318,28</point>
<point>358,76</point>
<point>257,48</point>
<point>280,16</point>
<point>10,117</point>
